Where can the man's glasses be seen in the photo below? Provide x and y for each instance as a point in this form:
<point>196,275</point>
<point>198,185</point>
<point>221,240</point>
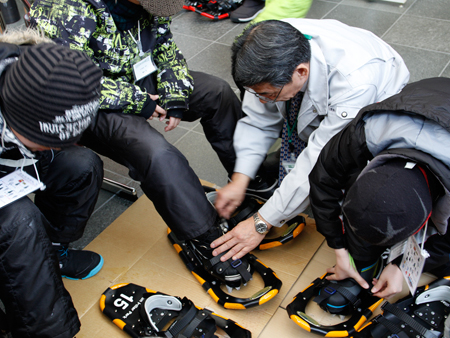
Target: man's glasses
<point>262,97</point>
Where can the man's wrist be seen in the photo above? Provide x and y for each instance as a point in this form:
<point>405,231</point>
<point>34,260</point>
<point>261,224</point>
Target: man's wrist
<point>263,219</point>
<point>261,226</point>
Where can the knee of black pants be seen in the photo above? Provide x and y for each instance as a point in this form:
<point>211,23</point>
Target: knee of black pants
<point>163,162</point>
<point>72,169</point>
<point>74,162</point>
<point>73,183</point>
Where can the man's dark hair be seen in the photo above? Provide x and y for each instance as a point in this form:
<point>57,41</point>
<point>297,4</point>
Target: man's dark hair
<point>268,52</point>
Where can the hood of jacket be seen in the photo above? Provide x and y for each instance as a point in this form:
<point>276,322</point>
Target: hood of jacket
<point>429,98</point>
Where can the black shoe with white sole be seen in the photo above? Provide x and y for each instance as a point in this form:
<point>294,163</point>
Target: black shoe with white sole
<point>248,11</point>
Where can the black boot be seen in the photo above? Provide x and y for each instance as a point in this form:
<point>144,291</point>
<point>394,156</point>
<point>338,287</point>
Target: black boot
<point>232,273</point>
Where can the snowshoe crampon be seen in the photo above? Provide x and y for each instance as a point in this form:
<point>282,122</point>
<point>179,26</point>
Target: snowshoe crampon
<point>141,312</point>
<point>213,9</point>
<point>420,316</point>
<point>362,310</point>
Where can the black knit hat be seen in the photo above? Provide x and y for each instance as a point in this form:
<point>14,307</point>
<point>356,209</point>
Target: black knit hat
<point>50,95</point>
<point>162,7</point>
<point>388,203</point>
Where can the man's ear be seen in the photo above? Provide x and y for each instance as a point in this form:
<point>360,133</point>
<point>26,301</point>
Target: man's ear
<point>302,70</point>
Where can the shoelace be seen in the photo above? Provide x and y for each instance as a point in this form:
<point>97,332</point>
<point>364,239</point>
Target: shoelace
<point>65,251</point>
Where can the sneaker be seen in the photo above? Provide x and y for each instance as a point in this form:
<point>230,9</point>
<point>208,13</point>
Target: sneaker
<point>248,11</point>
<point>77,264</point>
<point>232,273</point>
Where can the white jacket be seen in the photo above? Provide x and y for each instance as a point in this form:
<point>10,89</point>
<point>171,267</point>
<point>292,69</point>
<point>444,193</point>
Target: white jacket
<point>349,69</point>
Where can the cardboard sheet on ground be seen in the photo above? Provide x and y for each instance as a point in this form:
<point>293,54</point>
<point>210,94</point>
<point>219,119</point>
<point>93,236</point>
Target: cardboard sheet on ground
<point>136,250</point>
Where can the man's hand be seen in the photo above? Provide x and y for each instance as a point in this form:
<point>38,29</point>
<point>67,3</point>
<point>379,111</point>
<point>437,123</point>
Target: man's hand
<point>232,195</point>
<point>344,269</point>
<point>239,241</point>
<point>389,283</point>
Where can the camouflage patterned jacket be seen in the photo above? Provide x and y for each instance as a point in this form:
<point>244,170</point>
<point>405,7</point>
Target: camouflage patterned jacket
<point>87,25</point>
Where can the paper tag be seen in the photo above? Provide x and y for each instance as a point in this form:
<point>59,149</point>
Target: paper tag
<point>412,263</point>
<point>288,165</point>
<point>17,185</point>
<point>397,250</point>
<point>143,67</point>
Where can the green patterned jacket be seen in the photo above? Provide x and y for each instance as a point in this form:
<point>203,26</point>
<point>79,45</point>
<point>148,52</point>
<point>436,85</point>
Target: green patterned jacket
<point>87,25</point>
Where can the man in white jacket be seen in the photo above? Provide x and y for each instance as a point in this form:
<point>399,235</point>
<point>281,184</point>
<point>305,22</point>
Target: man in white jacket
<point>333,70</point>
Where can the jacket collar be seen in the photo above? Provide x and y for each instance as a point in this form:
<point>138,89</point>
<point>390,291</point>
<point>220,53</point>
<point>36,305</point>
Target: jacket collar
<point>317,89</point>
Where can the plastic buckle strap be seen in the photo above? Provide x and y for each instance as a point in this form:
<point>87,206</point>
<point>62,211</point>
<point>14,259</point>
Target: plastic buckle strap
<point>189,330</point>
<point>181,323</point>
<point>246,276</point>
<point>236,263</point>
<point>348,295</point>
<point>214,261</point>
<point>329,290</point>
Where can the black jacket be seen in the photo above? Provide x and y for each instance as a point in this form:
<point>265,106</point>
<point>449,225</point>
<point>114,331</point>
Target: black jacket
<point>347,154</point>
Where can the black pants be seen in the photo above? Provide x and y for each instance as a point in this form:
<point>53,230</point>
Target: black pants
<point>165,175</point>
<point>36,302</point>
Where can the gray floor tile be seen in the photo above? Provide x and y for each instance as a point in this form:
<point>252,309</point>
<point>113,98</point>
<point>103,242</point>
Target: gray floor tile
<point>229,37</point>
<point>202,158</point>
<point>381,5</point>
<point>193,24</point>
<point>103,197</point>
<point>414,31</point>
<point>173,135</point>
<point>438,9</point>
<point>416,58</point>
<point>189,45</point>
<point>378,22</point>
<point>446,72</point>
<point>319,9</point>
<point>215,60</point>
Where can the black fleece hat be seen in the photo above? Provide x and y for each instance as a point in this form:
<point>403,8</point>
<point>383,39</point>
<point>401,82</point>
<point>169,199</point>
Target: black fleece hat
<point>50,95</point>
<point>388,203</point>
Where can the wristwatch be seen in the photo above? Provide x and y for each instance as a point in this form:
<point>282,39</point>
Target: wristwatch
<point>260,226</point>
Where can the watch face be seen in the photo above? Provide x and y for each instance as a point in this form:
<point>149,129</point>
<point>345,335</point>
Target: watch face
<point>261,228</point>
